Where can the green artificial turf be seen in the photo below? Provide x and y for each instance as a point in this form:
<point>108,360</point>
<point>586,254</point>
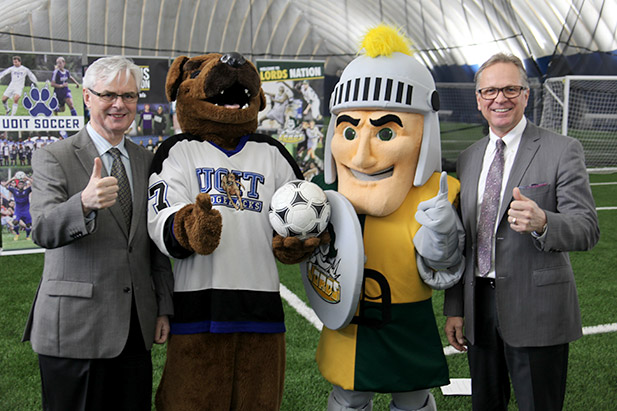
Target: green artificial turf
<point>592,378</point>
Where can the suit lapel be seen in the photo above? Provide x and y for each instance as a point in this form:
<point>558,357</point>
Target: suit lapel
<point>138,172</point>
<point>85,150</point>
<point>472,177</point>
<point>530,143</point>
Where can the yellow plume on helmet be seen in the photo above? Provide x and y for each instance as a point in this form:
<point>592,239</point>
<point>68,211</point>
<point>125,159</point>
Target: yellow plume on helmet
<point>384,40</point>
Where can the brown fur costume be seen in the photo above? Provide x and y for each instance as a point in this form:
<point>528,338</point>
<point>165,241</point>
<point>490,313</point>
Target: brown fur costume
<point>218,98</point>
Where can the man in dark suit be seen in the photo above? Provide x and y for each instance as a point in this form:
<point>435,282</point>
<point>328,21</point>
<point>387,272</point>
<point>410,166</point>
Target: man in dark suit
<point>518,295</point>
<point>106,291</point>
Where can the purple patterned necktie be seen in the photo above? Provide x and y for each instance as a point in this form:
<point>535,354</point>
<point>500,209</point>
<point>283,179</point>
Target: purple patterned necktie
<point>489,209</point>
<point>124,189</point>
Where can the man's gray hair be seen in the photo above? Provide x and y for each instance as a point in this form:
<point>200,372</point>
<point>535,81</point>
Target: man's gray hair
<point>504,58</point>
<point>107,69</point>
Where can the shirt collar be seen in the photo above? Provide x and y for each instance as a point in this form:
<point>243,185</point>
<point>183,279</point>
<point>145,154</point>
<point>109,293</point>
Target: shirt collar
<point>513,137</point>
<point>102,145</point>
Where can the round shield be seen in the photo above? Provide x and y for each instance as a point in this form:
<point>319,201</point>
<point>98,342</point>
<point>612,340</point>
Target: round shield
<point>332,275</point>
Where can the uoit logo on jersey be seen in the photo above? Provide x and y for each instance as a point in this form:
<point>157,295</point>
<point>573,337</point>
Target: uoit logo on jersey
<point>238,189</point>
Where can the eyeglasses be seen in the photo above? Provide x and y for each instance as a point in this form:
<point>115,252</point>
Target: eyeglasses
<point>111,97</point>
<point>491,93</point>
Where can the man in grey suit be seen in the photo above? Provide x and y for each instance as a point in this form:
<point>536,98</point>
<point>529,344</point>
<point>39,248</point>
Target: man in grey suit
<point>518,295</point>
<point>106,291</point>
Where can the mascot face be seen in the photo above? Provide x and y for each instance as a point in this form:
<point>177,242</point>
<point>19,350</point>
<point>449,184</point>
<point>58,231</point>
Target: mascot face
<point>218,96</point>
<point>376,153</point>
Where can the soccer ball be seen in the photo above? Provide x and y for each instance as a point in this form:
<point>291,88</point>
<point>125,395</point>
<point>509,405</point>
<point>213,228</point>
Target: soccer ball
<point>20,175</point>
<point>299,209</point>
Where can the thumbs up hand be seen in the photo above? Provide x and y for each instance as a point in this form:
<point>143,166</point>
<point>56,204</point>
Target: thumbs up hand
<point>437,213</point>
<point>437,241</point>
<point>101,192</point>
<point>198,226</point>
<point>524,215</point>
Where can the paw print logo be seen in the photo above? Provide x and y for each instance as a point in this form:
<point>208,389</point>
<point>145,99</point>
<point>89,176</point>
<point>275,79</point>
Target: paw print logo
<point>39,103</point>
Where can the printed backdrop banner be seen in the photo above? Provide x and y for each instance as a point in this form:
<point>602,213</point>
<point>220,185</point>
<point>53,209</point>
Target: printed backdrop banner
<point>293,114</point>
<point>41,94</point>
<point>42,102</point>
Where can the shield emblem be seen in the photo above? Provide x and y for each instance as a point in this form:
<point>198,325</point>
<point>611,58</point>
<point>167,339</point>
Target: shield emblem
<point>332,275</point>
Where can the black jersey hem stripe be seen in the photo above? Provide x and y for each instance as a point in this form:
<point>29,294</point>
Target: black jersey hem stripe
<point>227,305</point>
<point>220,327</point>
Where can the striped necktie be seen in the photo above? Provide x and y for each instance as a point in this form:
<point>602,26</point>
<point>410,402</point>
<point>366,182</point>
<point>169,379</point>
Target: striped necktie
<point>124,192</point>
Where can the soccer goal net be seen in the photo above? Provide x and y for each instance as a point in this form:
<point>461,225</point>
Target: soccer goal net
<point>585,107</point>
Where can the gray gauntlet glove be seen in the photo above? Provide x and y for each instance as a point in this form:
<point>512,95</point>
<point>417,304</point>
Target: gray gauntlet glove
<point>439,242</point>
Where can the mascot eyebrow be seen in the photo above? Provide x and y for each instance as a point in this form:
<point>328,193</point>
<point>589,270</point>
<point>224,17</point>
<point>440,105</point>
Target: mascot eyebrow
<point>348,119</point>
<point>388,118</point>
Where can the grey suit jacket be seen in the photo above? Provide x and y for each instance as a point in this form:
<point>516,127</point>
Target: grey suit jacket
<point>536,297</point>
<point>83,304</point>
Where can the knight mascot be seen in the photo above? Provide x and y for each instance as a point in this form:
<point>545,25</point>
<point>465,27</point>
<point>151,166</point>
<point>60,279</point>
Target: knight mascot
<point>383,156</point>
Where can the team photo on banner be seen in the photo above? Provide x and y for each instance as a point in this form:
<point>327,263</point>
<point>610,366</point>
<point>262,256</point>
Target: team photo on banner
<point>294,109</point>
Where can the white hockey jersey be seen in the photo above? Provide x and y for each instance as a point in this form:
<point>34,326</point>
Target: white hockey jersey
<point>236,288</point>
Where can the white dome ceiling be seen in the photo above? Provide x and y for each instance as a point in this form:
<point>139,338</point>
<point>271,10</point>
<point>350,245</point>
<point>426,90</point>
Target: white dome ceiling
<point>444,32</point>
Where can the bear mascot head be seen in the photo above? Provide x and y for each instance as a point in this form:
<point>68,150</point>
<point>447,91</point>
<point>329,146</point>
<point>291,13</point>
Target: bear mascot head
<point>218,96</point>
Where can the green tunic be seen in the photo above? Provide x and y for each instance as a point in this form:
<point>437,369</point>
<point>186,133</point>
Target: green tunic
<point>405,353</point>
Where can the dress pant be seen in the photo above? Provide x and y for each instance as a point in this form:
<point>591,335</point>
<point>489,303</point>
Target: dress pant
<point>538,374</point>
<point>120,383</point>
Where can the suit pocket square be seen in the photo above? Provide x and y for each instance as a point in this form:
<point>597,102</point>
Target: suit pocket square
<point>534,186</point>
<point>68,289</point>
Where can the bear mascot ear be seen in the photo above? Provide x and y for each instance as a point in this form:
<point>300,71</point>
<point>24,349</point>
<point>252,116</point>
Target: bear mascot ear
<point>262,99</point>
<point>174,77</point>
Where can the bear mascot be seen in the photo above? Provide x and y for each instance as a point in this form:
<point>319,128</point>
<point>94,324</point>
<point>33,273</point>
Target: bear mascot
<point>383,155</point>
<point>209,194</point>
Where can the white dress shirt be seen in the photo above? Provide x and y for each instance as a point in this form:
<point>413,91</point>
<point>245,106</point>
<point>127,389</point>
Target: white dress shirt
<point>103,146</point>
<point>512,140</point>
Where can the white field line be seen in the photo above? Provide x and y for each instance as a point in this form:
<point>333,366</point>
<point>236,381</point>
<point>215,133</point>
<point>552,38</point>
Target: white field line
<point>600,329</point>
<point>22,251</point>
<point>308,313</point>
<point>302,309</point>
<point>595,329</point>
<point>605,208</point>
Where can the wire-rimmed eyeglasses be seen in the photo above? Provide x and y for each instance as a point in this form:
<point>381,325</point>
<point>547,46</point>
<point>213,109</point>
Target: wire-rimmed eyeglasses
<point>111,97</point>
<point>491,93</point>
